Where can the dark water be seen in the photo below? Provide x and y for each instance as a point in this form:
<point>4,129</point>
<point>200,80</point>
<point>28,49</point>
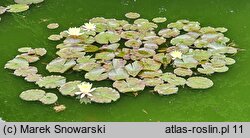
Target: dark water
<point>228,100</point>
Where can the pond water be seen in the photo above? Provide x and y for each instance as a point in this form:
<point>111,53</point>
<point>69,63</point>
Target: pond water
<point>227,100</point>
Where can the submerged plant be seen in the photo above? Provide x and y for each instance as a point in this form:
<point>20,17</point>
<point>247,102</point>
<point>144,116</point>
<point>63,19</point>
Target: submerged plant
<point>131,54</point>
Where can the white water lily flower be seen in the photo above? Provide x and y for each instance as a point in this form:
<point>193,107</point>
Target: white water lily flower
<point>176,54</point>
<point>89,27</point>
<point>74,31</point>
<point>85,89</point>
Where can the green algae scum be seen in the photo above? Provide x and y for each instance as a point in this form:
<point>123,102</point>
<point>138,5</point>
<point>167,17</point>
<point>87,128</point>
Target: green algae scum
<point>148,61</point>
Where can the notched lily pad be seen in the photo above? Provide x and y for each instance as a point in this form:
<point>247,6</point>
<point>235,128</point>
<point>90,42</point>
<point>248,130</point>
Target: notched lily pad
<point>129,85</point>
<point>51,82</point>
<point>17,8</point>
<point>49,98</point>
<point>166,89</point>
<point>132,15</point>
<point>16,63</point>
<point>32,95</point>
<point>107,37</point>
<point>70,88</point>
<point>199,83</point>
<point>104,95</point>
<point>97,74</point>
<point>152,81</point>
<point>55,37</point>
<point>159,19</point>
<point>183,72</point>
<point>60,65</point>
<point>33,77</point>
<point>134,68</point>
<point>25,71</point>
<point>53,26</point>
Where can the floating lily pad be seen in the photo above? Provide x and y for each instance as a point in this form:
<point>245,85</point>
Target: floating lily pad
<point>32,95</point>
<point>60,65</point>
<point>55,37</point>
<point>159,19</point>
<point>183,72</point>
<point>118,74</point>
<point>173,79</point>
<point>221,69</point>
<point>150,74</point>
<point>107,37</point>
<point>130,85</point>
<point>199,82</point>
<point>17,8</point>
<point>59,108</point>
<point>105,55</point>
<point>130,35</point>
<point>96,74</point>
<point>91,48</point>
<point>104,95</point>
<point>51,82</point>
<point>229,61</point>
<point>150,64</point>
<point>16,63</point>
<point>132,15</point>
<point>53,26</point>
<point>28,1</point>
<point>166,89</point>
<point>133,43</point>
<point>49,98</point>
<point>33,77</point>
<point>183,40</point>
<point>71,52</point>
<point>40,51</point>
<point>25,71</point>
<point>29,58</point>
<point>152,81</point>
<point>134,68</point>
<point>70,88</point>
<point>169,33</point>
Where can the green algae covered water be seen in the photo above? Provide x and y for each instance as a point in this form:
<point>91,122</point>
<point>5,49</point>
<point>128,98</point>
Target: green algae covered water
<point>227,100</point>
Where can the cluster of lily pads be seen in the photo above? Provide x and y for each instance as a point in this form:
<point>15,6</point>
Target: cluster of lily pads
<point>132,53</point>
<point>19,6</point>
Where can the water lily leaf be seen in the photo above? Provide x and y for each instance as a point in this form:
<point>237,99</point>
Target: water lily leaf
<point>118,63</point>
<point>24,49</point>
<point>29,58</point>
<point>183,72</point>
<point>69,88</point>
<point>229,61</point>
<point>221,69</point>
<point>166,89</point>
<point>201,55</point>
<point>187,62</point>
<point>49,98</point>
<point>150,64</point>
<point>155,40</point>
<point>40,51</point>
<point>88,66</point>
<point>25,71</point>
<point>71,52</point>
<point>152,81</point>
<point>90,48</point>
<point>145,52</point>
<point>104,95</point>
<point>32,95</point>
<point>112,47</point>
<point>134,68</point>
<point>130,35</point>
<point>33,77</point>
<point>133,43</point>
<point>159,19</point>
<point>231,50</point>
<point>183,40</point>
<point>132,15</point>
<point>173,79</point>
<point>51,82</point>
<point>218,62</point>
<point>118,74</point>
<point>151,46</point>
<point>17,8</point>
<point>97,74</point>
<point>129,85</point>
<point>107,37</point>
<point>146,26</point>
<point>207,69</point>
<point>169,33</point>
<point>150,74</point>
<point>100,27</point>
<point>55,37</point>
<point>199,82</point>
<point>53,26</point>
<point>60,65</point>
<point>165,59</point>
<point>192,27</point>
<point>105,55</point>
<point>16,63</point>
<point>178,25</point>
<point>28,1</point>
<point>59,108</point>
